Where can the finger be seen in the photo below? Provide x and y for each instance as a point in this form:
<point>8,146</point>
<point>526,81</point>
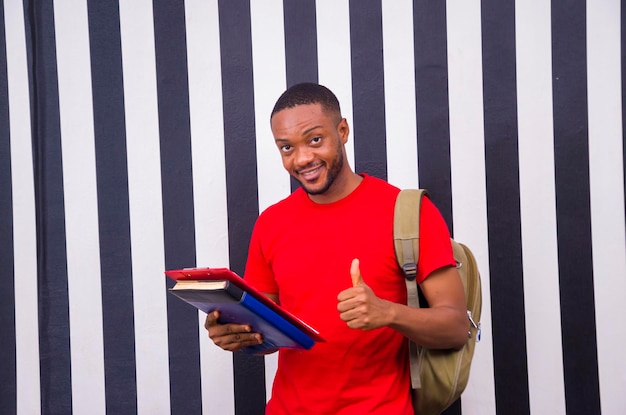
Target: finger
<point>211,319</point>
<point>236,342</point>
<point>355,273</point>
<point>234,337</point>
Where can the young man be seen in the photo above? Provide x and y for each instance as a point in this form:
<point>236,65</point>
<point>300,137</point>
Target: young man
<point>326,254</point>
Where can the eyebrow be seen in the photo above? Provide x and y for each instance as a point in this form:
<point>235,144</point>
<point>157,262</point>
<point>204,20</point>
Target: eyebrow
<point>305,132</point>
<point>311,129</point>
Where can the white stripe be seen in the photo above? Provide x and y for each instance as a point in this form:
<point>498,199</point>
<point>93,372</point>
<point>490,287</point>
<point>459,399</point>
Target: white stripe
<point>400,114</point>
<point>268,61</point>
<point>209,185</point>
<point>468,179</point>
<point>333,54</point>
<point>537,195</point>
<point>538,207</point>
<point>24,232</point>
<point>146,211</point>
<point>81,206</point>
<point>607,196</point>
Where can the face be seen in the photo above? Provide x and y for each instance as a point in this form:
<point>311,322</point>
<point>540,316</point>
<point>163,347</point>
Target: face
<point>311,143</point>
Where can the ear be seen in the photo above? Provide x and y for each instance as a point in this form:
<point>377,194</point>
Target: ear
<point>344,130</point>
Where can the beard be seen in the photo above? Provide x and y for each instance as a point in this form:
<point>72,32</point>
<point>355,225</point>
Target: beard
<point>333,171</point>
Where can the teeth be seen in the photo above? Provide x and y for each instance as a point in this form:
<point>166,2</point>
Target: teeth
<point>311,174</point>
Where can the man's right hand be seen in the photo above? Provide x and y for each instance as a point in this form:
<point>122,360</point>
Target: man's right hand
<point>230,337</point>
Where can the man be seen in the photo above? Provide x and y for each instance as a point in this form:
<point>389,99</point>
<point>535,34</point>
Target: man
<point>326,254</point>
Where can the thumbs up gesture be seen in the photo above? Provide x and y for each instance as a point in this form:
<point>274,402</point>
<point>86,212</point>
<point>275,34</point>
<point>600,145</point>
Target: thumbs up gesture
<point>358,306</point>
<point>355,273</point>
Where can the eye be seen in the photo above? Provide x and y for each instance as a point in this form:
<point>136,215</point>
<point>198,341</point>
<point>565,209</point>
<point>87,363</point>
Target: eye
<point>316,140</point>
<point>286,148</point>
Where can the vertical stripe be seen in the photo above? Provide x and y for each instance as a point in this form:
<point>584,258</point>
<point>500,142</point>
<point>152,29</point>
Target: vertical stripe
<point>467,159</point>
<point>334,64</point>
<point>431,90</point>
<point>399,60</point>
<point>27,376</point>
<point>571,158</point>
<point>501,162</point>
<point>268,60</point>
<point>607,202</point>
<point>54,335</point>
<point>81,221</point>
<point>300,46</point>
<point>146,209</point>
<point>241,176</point>
<point>431,83</point>
<point>176,182</point>
<point>539,239</point>
<point>300,41</point>
<point>8,387</point>
<point>209,185</point>
<point>433,131</point>
<point>368,92</point>
<point>113,209</point>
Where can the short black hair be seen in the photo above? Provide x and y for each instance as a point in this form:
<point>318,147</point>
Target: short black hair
<point>308,93</point>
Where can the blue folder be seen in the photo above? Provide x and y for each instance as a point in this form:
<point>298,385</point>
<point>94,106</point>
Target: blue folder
<point>210,289</point>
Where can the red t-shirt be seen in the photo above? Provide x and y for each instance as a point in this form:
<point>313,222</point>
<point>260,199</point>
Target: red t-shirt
<point>302,251</point>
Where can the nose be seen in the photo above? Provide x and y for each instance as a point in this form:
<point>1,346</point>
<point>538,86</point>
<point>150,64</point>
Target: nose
<point>303,156</point>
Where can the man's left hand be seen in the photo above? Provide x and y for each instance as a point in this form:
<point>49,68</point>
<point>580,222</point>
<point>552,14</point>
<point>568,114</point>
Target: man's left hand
<point>359,307</point>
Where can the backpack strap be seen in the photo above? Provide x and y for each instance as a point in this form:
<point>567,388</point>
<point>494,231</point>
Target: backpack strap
<point>406,243</point>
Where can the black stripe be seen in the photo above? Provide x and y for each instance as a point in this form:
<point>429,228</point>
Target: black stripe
<point>431,84</point>
<point>54,330</point>
<point>300,46</point>
<point>571,157</point>
<point>432,107</point>
<point>241,175</point>
<point>8,387</point>
<point>433,129</point>
<point>113,207</point>
<point>300,41</point>
<point>177,187</point>
<point>368,90</point>
<point>431,96</point>
<point>503,206</point>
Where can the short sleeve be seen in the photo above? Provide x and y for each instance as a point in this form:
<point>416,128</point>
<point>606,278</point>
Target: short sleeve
<point>258,272</point>
<point>435,247</point>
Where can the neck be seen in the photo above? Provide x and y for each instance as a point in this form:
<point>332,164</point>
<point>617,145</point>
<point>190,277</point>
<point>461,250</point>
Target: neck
<point>342,187</point>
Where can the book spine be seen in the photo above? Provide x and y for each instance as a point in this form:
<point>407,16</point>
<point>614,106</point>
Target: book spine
<point>279,322</point>
<point>235,291</point>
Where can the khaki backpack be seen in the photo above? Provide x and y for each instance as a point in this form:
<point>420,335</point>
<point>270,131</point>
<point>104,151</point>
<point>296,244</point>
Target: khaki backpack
<point>438,377</point>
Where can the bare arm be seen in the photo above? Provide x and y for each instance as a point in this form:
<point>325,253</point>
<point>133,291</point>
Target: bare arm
<point>443,325</point>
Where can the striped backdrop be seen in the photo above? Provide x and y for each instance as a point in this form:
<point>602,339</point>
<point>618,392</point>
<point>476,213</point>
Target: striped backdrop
<point>134,137</point>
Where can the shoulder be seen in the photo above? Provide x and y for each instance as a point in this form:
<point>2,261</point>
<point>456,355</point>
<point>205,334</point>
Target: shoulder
<point>296,204</point>
<point>379,187</point>
<point>378,183</point>
<point>284,205</point>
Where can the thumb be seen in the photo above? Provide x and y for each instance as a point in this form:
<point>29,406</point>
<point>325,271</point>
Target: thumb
<point>355,273</point>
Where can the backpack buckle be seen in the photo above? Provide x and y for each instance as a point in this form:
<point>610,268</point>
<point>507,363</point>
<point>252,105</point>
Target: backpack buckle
<point>410,271</point>
<point>474,325</point>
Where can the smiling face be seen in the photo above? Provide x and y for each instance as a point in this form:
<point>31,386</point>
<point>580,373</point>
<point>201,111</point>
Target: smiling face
<point>311,144</point>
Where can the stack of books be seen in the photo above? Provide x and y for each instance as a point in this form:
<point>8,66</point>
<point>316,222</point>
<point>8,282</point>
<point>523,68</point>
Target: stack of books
<point>210,289</point>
